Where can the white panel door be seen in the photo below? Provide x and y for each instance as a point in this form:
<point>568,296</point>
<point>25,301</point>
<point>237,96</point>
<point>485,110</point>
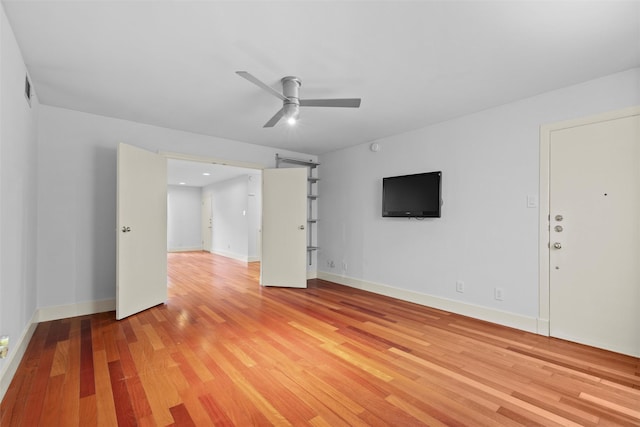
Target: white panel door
<point>207,223</point>
<point>141,278</point>
<point>595,234</point>
<point>284,219</point>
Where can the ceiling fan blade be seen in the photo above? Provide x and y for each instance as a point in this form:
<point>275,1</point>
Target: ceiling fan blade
<point>273,120</point>
<point>347,102</point>
<point>261,84</point>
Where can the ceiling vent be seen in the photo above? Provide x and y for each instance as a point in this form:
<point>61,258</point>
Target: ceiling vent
<point>27,89</point>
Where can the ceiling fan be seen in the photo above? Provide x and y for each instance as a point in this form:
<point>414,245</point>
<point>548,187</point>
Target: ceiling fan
<point>291,102</point>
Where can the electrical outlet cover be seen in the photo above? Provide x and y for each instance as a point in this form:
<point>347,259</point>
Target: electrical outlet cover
<point>4,346</point>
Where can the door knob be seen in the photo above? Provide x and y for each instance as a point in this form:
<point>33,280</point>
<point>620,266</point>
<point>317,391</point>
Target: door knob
<point>559,217</point>
<point>557,245</point>
<point>301,227</point>
<point>126,229</point>
<point>558,228</point>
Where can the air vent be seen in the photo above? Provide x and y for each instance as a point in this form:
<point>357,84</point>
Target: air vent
<point>27,89</point>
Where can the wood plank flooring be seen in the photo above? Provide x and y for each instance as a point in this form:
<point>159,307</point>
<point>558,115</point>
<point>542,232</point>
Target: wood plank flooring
<point>225,351</point>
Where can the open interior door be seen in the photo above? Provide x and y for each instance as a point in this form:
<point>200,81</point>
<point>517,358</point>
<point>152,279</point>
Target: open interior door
<point>284,219</point>
<point>141,262</point>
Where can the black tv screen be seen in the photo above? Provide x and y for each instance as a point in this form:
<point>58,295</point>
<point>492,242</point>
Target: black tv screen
<point>412,196</point>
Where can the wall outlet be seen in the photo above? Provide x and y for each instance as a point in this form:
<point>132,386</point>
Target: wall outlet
<point>498,294</point>
<point>331,264</point>
<point>4,346</point>
<point>460,286</point>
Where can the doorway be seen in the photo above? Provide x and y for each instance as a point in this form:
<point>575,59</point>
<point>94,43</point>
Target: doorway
<point>133,246</point>
<point>222,202</point>
<point>590,231</point>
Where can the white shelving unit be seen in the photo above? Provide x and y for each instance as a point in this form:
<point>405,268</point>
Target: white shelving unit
<point>312,198</point>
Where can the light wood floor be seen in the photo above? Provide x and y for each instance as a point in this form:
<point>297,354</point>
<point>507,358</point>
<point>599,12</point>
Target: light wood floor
<point>225,351</point>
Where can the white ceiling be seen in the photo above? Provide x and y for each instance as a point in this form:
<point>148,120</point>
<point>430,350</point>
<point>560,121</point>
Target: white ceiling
<point>192,174</point>
<point>413,63</point>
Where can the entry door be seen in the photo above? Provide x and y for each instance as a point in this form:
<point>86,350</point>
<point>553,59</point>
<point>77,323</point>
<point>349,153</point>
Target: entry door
<point>284,219</point>
<point>595,234</point>
<point>141,278</point>
<point>207,223</point>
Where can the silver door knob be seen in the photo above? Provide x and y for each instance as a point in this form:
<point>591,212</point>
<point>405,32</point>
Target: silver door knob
<point>558,228</point>
<point>301,227</point>
<point>557,245</point>
<point>559,217</point>
<point>126,229</point>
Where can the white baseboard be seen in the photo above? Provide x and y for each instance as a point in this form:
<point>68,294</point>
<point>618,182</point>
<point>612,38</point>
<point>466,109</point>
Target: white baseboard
<point>543,327</point>
<point>191,249</point>
<point>232,255</point>
<point>312,274</point>
<point>46,314</point>
<point>513,320</point>
<point>253,259</point>
<point>16,352</point>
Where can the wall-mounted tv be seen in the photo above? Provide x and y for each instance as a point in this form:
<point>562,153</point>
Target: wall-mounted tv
<point>412,196</point>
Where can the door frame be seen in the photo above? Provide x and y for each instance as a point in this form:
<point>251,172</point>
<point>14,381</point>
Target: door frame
<point>211,160</point>
<point>544,234</point>
<point>214,160</point>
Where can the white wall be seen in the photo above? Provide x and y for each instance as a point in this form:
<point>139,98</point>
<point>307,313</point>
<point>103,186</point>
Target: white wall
<point>230,227</point>
<point>77,193</point>
<point>487,236</point>
<point>18,201</point>
<point>184,218</point>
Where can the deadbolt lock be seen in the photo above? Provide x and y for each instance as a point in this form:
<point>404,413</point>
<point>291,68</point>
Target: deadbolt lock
<point>559,218</point>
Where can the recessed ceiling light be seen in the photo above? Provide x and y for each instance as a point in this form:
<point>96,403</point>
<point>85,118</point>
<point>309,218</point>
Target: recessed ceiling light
<point>206,173</point>
<point>183,183</point>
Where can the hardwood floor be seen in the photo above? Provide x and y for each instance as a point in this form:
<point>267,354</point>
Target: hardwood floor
<point>225,351</point>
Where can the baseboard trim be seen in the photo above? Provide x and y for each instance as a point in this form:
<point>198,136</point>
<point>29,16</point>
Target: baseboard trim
<point>192,249</point>
<point>313,274</point>
<point>16,352</point>
<point>512,320</point>
<point>232,255</point>
<point>46,314</point>
<point>544,327</point>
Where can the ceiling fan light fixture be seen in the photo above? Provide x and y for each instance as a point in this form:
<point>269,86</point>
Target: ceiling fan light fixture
<point>291,112</point>
<point>291,99</point>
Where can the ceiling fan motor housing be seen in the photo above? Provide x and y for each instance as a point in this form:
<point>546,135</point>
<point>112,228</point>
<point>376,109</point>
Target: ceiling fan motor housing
<point>290,85</point>
<point>291,106</point>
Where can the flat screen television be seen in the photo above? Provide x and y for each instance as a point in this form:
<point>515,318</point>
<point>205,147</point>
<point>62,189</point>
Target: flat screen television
<point>412,196</point>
